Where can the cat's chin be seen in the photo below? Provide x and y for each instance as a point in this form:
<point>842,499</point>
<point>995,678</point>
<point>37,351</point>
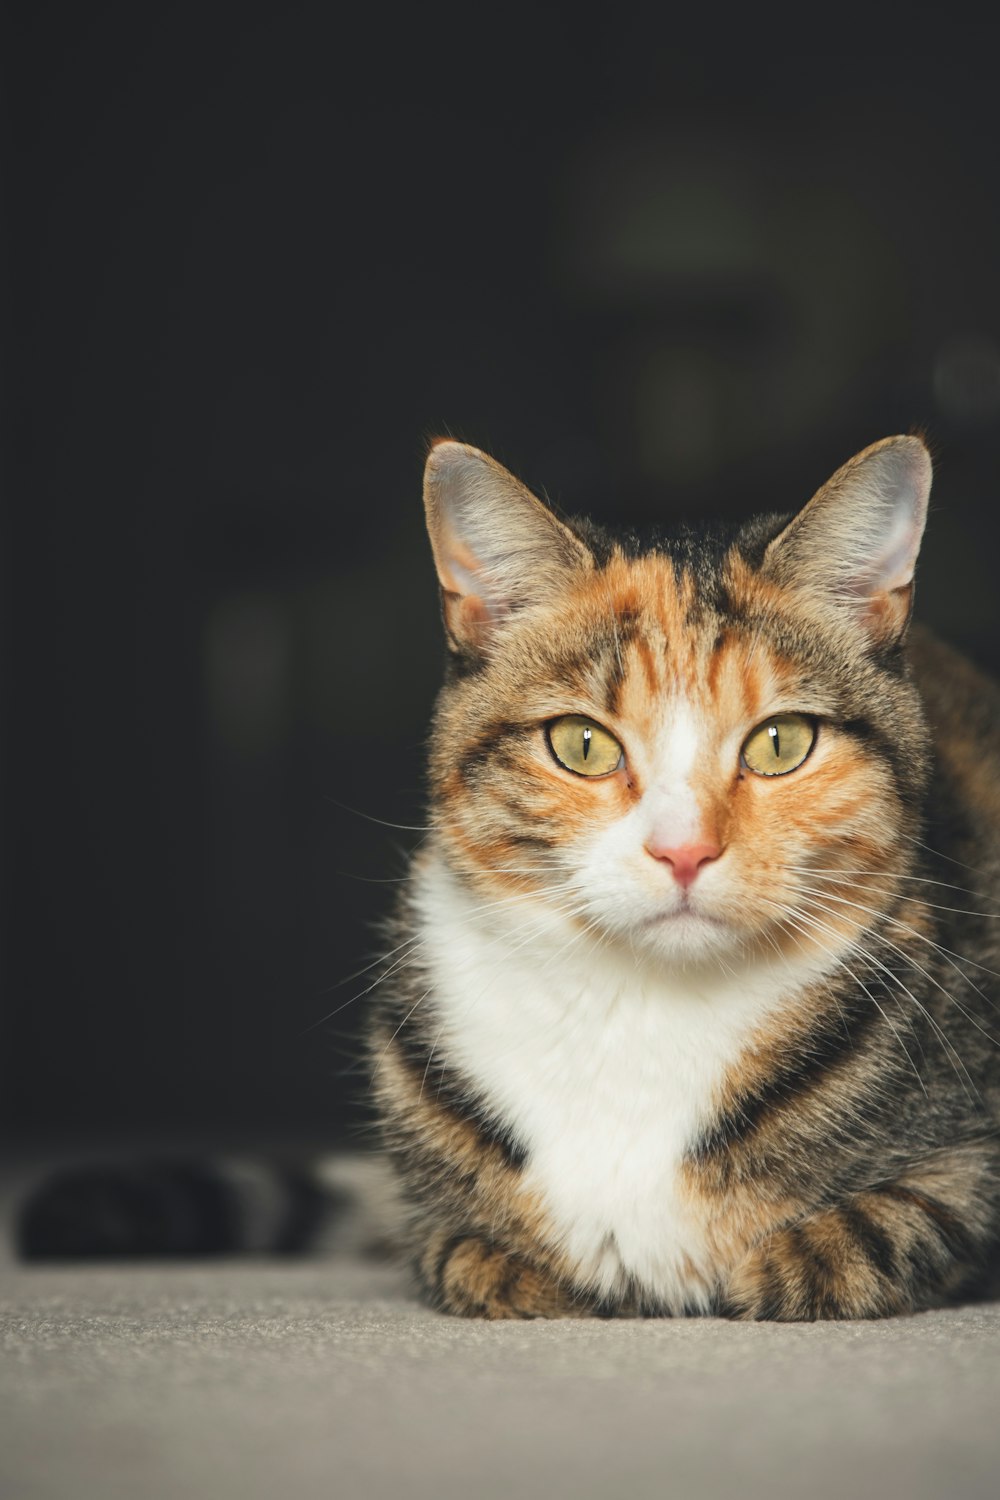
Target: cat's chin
<point>685,936</point>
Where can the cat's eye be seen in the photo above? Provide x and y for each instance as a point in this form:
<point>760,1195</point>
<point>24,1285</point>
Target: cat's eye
<point>780,744</point>
<point>583,746</point>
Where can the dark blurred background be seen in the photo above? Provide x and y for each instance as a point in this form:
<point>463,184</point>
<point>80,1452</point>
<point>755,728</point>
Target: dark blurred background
<point>251,266</point>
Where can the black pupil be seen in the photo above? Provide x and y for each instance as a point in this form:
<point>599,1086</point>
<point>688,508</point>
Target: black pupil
<point>586,743</point>
<point>772,730</point>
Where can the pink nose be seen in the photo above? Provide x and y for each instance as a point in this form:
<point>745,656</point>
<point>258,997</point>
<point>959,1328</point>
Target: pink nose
<point>685,861</point>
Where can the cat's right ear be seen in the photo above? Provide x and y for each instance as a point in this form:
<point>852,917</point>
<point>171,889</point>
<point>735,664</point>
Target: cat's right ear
<point>496,548</point>
<point>854,547</point>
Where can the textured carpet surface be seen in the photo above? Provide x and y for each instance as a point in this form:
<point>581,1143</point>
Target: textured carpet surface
<point>252,1378</point>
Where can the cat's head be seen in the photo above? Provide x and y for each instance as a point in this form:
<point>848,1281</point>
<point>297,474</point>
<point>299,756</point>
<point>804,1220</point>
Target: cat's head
<point>683,745</point>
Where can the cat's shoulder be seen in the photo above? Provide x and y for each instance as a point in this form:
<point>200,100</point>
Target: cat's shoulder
<point>962,703</point>
<point>961,699</point>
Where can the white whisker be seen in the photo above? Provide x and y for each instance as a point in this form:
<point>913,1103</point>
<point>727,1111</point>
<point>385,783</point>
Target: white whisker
<point>795,915</point>
<point>945,1041</point>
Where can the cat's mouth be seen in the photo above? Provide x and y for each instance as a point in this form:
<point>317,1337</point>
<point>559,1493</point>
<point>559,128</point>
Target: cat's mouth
<point>685,914</point>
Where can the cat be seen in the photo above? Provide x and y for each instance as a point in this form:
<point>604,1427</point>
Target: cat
<point>690,1008</point>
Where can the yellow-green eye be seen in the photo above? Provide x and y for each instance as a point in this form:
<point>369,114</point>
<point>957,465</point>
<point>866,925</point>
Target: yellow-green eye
<point>780,744</point>
<point>583,746</point>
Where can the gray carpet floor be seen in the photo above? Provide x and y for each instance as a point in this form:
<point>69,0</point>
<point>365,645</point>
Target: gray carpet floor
<point>324,1378</point>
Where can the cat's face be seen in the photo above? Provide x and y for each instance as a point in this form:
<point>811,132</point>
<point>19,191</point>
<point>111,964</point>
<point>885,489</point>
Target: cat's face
<point>677,749</point>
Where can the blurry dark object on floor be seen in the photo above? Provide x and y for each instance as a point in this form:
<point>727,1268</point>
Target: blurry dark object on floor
<point>173,1208</point>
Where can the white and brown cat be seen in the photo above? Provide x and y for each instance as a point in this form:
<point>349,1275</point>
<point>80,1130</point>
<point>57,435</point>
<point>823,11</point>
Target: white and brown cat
<point>692,1008</point>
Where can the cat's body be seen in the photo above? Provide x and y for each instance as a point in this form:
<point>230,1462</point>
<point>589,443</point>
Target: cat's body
<point>678,1036</point>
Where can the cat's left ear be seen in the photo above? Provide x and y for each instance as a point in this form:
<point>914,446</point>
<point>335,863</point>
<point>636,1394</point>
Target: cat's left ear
<point>854,546</point>
<point>497,549</point>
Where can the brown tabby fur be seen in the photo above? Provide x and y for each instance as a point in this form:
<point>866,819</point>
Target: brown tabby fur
<point>852,1166</point>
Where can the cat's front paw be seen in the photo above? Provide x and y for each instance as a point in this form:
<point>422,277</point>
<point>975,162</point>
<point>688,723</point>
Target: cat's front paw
<point>472,1279</point>
<point>824,1268</point>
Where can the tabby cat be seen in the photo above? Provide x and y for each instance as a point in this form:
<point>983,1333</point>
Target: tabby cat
<point>691,1006</point>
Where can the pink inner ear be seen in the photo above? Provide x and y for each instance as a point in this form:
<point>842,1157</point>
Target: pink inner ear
<point>887,613</point>
<point>895,567</point>
<point>459,566</point>
<point>466,617</point>
<point>463,577</point>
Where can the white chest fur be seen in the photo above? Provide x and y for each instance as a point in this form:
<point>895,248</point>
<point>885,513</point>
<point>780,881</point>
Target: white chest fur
<point>605,1071</point>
